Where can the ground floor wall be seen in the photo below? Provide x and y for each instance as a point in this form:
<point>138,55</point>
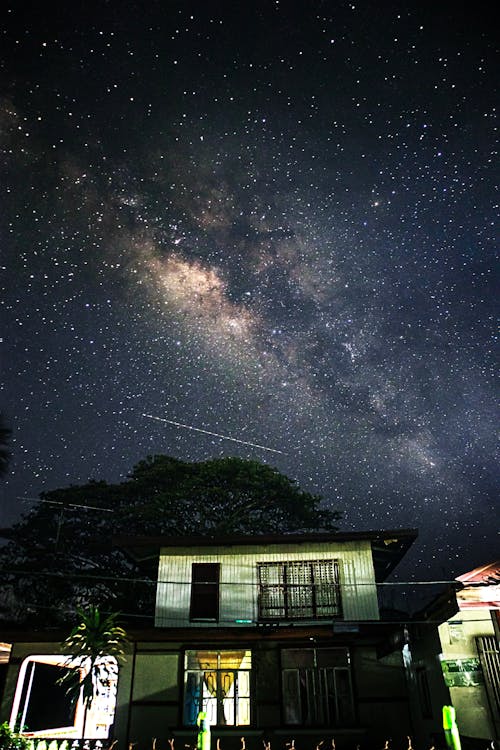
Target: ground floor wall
<point>371,695</point>
<point>477,707</point>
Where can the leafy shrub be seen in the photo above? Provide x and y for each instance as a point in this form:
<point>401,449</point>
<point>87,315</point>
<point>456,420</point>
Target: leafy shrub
<point>10,740</point>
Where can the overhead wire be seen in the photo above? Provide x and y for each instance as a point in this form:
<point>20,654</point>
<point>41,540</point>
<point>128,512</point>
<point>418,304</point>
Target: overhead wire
<point>127,579</point>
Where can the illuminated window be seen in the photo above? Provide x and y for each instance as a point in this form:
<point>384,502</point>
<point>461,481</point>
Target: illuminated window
<point>217,682</point>
<point>299,590</point>
<point>317,687</point>
<point>41,707</point>
<point>204,591</point>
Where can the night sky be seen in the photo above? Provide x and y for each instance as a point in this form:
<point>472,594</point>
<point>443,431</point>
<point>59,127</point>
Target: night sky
<point>268,220</point>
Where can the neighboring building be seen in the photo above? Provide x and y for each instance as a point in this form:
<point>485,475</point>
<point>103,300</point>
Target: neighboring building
<point>277,638</point>
<point>461,645</point>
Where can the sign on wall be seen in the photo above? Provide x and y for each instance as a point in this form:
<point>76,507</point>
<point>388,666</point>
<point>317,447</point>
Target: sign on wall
<point>462,672</point>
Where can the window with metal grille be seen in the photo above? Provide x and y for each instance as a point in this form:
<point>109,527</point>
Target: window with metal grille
<point>489,654</point>
<point>301,590</point>
<point>217,682</point>
<point>317,688</point>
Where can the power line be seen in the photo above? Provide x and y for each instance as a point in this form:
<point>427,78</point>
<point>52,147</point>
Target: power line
<point>125,579</point>
<point>64,505</point>
<point>85,576</point>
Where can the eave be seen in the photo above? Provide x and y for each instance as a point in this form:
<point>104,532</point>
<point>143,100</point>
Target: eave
<point>388,546</point>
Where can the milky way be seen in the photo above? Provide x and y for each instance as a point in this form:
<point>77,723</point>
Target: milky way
<point>275,224</point>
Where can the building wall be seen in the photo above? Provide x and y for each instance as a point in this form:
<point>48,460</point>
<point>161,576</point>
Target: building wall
<point>156,692</point>
<point>150,696</point>
<point>426,687</point>
<point>239,583</point>
<point>458,642</point>
<point>380,698</point>
<point>381,694</point>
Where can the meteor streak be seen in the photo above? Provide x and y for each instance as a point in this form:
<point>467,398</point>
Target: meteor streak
<point>215,434</point>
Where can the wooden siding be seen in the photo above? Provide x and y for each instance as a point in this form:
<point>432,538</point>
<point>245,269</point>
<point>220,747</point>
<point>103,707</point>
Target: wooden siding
<point>239,582</point>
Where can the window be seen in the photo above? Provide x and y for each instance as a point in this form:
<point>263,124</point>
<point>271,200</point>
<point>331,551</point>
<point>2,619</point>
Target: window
<point>43,708</point>
<point>299,590</point>
<point>217,682</point>
<point>317,687</point>
<point>43,702</point>
<point>204,591</point>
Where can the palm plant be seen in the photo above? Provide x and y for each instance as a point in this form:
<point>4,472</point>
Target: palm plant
<point>95,638</point>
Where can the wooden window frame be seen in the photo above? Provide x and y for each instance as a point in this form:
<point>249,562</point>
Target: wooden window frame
<point>286,592</point>
<point>197,678</point>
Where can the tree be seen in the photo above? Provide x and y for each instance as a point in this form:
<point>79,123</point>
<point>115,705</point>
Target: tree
<point>64,543</point>
<point>223,496</point>
<point>90,644</point>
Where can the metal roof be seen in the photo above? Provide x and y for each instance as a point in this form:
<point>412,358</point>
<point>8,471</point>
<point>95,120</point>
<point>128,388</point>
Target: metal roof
<point>388,546</point>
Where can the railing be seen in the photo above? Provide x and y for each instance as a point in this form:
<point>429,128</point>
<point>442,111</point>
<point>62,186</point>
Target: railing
<point>47,743</point>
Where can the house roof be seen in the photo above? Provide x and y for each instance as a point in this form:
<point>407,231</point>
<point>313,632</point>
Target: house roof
<point>481,587</point>
<point>477,589</point>
<point>485,575</point>
<point>388,546</point>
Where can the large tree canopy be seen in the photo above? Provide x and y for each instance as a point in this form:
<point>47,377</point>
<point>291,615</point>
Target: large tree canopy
<point>60,554</point>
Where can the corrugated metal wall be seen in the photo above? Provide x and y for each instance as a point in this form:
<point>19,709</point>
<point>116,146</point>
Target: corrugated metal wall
<point>239,583</point>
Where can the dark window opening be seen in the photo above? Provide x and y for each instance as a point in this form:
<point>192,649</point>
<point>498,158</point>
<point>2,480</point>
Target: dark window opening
<point>46,704</point>
<point>204,591</point>
<point>42,707</point>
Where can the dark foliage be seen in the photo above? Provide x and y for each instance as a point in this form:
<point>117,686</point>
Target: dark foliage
<point>10,740</point>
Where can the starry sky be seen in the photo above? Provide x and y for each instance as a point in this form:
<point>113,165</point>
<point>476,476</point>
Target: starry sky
<point>272,221</point>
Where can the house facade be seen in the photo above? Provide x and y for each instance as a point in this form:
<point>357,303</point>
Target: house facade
<point>277,639</point>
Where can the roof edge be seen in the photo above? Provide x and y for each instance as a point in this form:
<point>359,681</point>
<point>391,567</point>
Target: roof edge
<point>254,539</point>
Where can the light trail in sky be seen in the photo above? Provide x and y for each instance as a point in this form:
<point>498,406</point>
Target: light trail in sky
<point>214,434</point>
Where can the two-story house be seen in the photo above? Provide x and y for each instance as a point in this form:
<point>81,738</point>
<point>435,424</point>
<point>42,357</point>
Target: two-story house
<point>276,638</point>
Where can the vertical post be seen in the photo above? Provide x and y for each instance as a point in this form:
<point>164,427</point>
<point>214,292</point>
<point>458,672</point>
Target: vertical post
<point>450,728</point>
<point>27,698</point>
<point>204,739</point>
